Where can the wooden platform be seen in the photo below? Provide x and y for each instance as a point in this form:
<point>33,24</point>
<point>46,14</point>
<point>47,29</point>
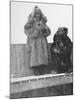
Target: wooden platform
<point>37,82</point>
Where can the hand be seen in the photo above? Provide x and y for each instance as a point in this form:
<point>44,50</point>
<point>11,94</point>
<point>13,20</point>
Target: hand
<point>57,51</point>
<point>42,26</point>
<point>39,25</point>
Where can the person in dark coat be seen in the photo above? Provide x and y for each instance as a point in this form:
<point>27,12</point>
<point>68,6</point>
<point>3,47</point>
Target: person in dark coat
<point>61,50</point>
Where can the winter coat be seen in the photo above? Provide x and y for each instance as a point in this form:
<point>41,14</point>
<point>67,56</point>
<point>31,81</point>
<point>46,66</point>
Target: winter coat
<point>37,45</point>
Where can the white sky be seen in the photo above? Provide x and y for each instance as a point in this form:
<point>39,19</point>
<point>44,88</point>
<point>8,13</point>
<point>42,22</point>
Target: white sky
<point>57,16</point>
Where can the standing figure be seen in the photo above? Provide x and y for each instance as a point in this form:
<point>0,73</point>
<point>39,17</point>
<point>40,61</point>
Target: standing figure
<point>61,50</point>
<point>37,32</point>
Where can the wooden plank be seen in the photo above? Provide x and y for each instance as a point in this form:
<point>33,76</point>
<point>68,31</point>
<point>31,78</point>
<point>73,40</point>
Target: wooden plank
<point>19,61</point>
<point>42,81</point>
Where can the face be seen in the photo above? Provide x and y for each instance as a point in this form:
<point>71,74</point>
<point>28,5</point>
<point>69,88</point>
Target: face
<point>61,31</point>
<point>38,16</point>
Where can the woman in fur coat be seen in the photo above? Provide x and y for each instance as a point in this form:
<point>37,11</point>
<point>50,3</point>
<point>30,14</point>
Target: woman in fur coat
<point>37,32</point>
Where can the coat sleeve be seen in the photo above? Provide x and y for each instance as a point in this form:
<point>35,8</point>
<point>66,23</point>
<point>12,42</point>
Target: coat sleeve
<point>28,28</point>
<point>46,31</point>
<point>30,31</point>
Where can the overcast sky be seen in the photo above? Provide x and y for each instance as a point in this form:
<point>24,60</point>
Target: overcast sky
<point>57,16</point>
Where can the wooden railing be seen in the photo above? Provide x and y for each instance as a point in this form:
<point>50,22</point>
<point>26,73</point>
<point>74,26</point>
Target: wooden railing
<point>19,61</point>
<point>42,81</point>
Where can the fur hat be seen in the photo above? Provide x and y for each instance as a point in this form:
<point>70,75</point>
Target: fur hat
<point>62,31</point>
<point>33,14</point>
